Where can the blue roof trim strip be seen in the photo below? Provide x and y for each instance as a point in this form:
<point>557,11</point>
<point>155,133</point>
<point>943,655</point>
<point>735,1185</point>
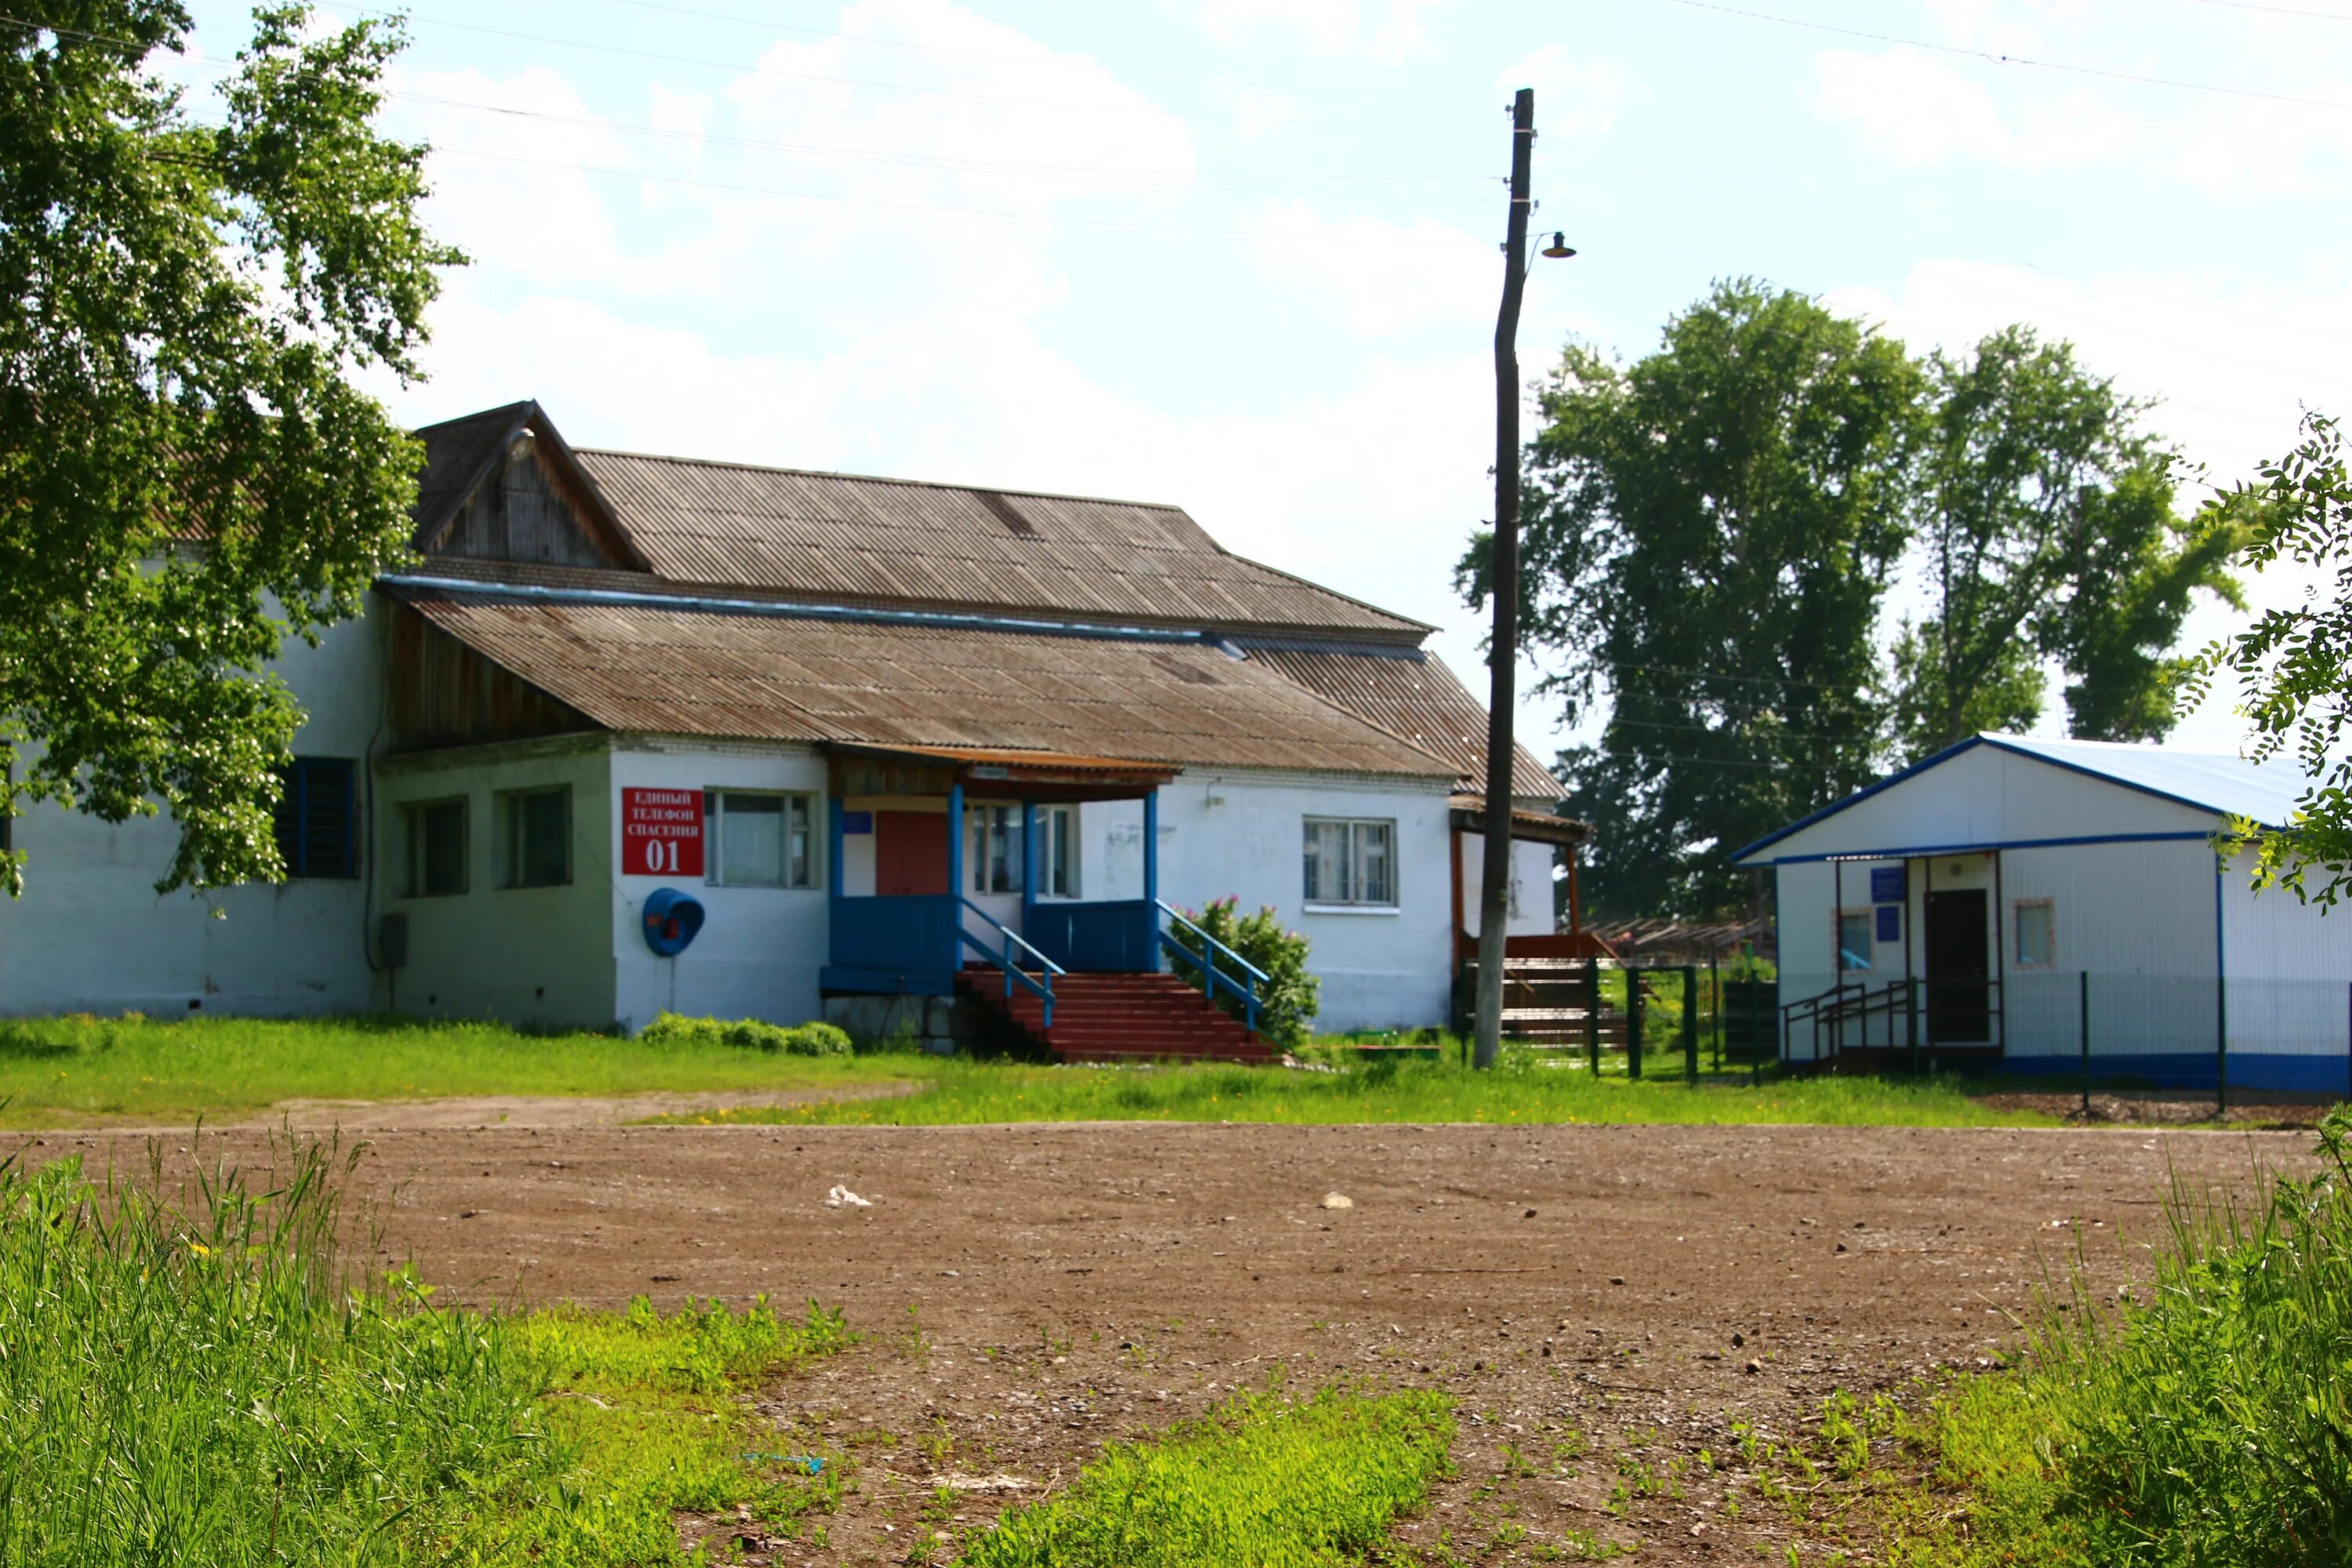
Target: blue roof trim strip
<point>1889,782</point>
<point>1929,852</point>
<point>858,614</point>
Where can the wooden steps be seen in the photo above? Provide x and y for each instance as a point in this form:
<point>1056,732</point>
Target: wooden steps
<point>1122,1018</point>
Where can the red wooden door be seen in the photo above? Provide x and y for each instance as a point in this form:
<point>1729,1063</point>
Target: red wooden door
<point>910,852</point>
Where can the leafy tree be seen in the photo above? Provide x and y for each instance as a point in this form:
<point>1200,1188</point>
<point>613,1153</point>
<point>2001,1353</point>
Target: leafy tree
<point>1708,534</point>
<point>2048,530</point>
<point>2294,665</point>
<point>187,475</point>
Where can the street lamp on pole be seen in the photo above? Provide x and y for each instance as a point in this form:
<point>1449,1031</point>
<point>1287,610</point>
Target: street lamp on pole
<point>1502,581</point>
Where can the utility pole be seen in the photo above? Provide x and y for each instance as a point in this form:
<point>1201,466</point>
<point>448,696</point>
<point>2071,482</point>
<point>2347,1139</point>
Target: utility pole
<point>1502,581</point>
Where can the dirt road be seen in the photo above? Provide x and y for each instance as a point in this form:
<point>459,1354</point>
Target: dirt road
<point>1030,1292</point>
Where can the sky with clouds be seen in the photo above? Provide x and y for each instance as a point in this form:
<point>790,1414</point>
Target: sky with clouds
<point>1242,255</point>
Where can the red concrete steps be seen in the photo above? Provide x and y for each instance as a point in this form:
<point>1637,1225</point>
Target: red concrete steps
<point>1123,1018</point>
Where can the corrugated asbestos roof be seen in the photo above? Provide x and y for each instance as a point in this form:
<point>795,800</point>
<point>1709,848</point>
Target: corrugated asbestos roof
<point>694,671</point>
<point>1417,698</point>
<point>840,537</point>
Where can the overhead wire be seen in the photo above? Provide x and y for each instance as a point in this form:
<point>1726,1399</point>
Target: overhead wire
<point>1991,56</point>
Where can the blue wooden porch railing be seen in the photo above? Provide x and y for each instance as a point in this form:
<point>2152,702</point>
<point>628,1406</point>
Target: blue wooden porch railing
<point>1213,973</point>
<point>1041,987</point>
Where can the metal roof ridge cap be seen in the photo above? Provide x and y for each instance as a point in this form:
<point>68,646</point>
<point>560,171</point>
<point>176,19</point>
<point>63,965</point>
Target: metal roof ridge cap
<point>803,610</point>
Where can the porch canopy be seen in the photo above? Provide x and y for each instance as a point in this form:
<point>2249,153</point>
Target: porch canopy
<point>913,943</point>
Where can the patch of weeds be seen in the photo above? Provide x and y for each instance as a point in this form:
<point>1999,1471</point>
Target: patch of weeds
<point>1264,1481</point>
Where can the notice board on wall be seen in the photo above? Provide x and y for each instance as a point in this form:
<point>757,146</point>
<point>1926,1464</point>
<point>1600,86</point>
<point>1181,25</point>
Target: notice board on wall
<point>661,832</point>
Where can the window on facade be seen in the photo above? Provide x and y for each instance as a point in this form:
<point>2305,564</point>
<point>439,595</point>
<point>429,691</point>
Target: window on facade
<point>315,835</point>
<point>2036,935</point>
<point>535,837</point>
<point>1351,861</point>
<point>1854,939</point>
<point>995,850</point>
<point>1058,844</point>
<point>436,849</point>
<point>760,841</point>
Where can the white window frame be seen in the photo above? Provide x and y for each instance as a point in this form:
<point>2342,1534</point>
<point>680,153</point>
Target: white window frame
<point>1049,862</point>
<point>1868,915</point>
<point>714,833</point>
<point>2017,949</point>
<point>1350,899</point>
<point>985,822</point>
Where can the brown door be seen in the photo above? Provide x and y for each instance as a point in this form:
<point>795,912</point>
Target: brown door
<point>1959,969</point>
<point>910,852</point>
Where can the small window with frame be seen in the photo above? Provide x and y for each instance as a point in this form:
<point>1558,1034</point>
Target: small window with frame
<point>760,839</point>
<point>436,849</point>
<point>2033,933</point>
<point>316,822</point>
<point>993,849</point>
<point>1350,863</point>
<point>1856,941</point>
<point>535,837</point>
<point>1057,847</point>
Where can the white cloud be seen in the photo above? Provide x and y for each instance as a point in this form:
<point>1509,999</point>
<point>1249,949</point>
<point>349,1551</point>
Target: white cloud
<point>1396,32</point>
<point>1388,276</point>
<point>1913,109</point>
<point>1576,97</point>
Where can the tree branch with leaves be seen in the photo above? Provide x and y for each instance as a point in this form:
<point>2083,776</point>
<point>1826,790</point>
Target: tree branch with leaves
<point>188,475</point>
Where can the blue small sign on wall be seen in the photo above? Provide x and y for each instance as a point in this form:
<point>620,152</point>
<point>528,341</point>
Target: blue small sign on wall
<point>1890,922</point>
<point>1887,886</point>
<point>857,822</point>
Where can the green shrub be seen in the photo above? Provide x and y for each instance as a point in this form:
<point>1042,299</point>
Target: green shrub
<point>2208,1421</point>
<point>1263,1482</point>
<point>1289,1001</point>
<point>814,1040</point>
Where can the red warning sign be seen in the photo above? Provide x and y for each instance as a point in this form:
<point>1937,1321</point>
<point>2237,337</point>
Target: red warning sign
<point>661,832</point>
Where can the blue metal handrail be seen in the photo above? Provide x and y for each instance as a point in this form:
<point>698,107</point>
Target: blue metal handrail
<point>1041,988</point>
<point>1213,975</point>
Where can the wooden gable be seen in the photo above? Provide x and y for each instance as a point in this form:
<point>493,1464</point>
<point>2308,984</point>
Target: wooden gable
<point>528,508</point>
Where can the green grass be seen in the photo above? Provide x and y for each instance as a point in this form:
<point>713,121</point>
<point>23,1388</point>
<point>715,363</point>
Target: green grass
<point>2205,1421</point>
<point>75,1071</point>
<point>1265,1481</point>
<point>78,1071</point>
<point>193,1382</point>
<point>1523,1089</point>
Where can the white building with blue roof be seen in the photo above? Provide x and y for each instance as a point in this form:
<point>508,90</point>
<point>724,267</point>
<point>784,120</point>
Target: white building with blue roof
<point>2013,903</point>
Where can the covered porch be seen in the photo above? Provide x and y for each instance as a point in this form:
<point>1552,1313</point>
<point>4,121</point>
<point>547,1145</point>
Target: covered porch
<point>945,856</point>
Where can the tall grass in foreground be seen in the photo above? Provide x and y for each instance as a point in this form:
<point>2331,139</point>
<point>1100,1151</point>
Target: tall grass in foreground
<point>191,1383</point>
<point>2207,1422</point>
<point>1263,1482</point>
<point>1523,1090</point>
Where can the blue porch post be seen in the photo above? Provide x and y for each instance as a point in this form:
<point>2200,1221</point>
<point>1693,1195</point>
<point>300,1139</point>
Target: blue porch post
<point>955,877</point>
<point>1028,867</point>
<point>1152,878</point>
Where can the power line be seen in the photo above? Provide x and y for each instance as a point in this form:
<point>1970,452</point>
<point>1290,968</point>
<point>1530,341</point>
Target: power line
<point>2277,10</point>
<point>1991,58</point>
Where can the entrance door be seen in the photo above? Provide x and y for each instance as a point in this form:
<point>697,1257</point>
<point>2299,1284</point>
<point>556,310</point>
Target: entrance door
<point>910,852</point>
<point>1959,969</point>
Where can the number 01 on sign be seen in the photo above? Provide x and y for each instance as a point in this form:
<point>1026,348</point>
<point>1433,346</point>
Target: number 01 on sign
<point>661,832</point>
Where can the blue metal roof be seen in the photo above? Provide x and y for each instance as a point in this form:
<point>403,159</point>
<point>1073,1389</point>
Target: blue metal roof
<point>2209,781</point>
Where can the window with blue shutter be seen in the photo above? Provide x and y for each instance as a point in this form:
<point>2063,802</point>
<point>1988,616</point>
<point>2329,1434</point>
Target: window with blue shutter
<point>316,833</point>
